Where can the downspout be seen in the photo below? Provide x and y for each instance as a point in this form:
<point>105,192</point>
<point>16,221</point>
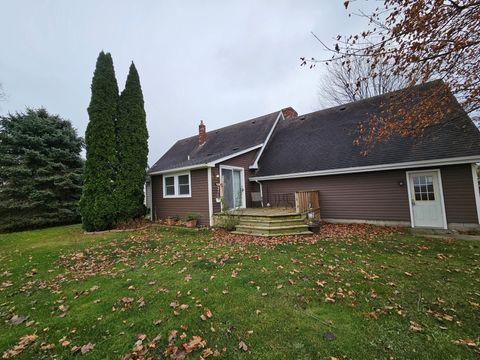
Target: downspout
<point>261,190</point>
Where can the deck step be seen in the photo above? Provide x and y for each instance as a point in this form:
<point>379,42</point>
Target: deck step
<point>273,230</point>
<point>269,217</point>
<point>271,223</point>
<point>258,233</point>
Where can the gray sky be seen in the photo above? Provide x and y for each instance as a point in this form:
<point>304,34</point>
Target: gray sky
<point>217,61</point>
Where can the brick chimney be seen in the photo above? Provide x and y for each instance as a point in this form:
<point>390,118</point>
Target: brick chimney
<point>202,133</point>
<point>289,113</point>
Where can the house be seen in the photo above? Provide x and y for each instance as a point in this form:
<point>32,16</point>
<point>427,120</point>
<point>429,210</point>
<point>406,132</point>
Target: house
<point>428,182</point>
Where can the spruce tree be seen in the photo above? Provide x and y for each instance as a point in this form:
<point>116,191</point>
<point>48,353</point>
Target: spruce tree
<point>97,204</point>
<point>132,149</point>
<point>40,171</point>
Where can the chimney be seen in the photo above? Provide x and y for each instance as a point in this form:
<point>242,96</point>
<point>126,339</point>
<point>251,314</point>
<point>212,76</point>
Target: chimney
<point>289,113</point>
<point>202,133</point>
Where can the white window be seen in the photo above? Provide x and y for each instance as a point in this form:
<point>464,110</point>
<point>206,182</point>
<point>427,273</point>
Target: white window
<point>177,185</point>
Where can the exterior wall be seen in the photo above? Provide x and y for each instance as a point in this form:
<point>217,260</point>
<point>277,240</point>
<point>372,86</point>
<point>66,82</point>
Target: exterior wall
<point>197,203</point>
<point>243,161</point>
<point>378,196</point>
<point>369,196</point>
<point>458,194</point>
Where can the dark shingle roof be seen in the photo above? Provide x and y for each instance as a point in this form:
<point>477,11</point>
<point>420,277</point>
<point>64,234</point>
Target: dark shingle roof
<point>220,143</point>
<point>323,140</point>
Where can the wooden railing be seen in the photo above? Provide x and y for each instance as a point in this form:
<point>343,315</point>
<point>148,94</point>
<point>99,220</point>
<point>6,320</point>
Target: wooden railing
<point>307,201</point>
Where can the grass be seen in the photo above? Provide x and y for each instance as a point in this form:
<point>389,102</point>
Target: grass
<point>396,296</point>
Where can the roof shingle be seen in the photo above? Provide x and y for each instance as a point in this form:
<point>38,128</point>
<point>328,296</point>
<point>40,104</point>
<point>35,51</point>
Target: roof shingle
<point>220,143</point>
<point>324,140</point>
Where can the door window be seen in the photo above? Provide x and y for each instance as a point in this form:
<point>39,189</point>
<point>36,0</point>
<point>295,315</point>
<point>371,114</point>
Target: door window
<point>423,188</point>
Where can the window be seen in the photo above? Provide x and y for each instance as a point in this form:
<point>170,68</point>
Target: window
<point>184,185</point>
<point>423,187</point>
<point>170,185</point>
<point>177,185</point>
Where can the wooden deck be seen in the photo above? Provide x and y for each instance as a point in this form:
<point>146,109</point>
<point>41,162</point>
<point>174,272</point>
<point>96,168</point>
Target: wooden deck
<point>264,211</point>
<point>270,222</point>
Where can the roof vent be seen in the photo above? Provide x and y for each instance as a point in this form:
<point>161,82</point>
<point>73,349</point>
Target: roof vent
<point>303,118</point>
<point>342,108</point>
<point>216,132</point>
<point>253,122</point>
<point>235,148</point>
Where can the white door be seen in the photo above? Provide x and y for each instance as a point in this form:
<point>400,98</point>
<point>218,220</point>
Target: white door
<point>233,189</point>
<point>426,199</point>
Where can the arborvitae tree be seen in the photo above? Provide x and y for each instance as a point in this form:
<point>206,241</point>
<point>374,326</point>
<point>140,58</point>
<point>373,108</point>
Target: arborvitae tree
<point>97,204</point>
<point>40,171</point>
<point>132,149</point>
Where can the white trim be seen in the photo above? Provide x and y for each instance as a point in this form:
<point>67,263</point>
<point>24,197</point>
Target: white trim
<point>255,163</point>
<point>206,165</point>
<point>440,190</point>
<point>215,162</point>
<point>442,200</point>
<point>210,196</point>
<point>242,179</point>
<point>151,198</point>
<point>358,169</point>
<point>177,186</point>
<point>409,194</point>
<point>476,190</point>
<point>174,171</point>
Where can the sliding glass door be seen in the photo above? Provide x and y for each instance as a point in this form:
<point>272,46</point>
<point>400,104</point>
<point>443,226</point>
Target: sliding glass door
<point>233,187</point>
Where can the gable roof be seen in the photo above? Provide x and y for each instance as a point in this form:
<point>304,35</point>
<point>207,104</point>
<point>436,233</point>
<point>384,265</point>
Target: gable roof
<point>324,140</point>
<point>224,142</point>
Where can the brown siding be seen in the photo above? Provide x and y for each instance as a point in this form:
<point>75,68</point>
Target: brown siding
<point>458,194</point>
<point>180,207</point>
<point>378,196</point>
<point>365,196</point>
<point>243,161</point>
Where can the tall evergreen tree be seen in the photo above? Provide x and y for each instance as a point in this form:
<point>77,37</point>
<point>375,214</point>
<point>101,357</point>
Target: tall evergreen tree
<point>97,204</point>
<point>40,171</point>
<point>132,149</point>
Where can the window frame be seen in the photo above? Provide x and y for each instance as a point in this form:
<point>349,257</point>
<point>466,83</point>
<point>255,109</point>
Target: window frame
<point>176,184</point>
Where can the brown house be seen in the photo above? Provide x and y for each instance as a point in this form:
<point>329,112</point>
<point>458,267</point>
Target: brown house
<point>429,182</point>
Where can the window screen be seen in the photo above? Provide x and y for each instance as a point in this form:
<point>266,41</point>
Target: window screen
<point>170,185</point>
<point>184,185</point>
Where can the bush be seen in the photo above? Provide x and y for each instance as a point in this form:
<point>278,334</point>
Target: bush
<point>227,221</point>
<point>192,216</point>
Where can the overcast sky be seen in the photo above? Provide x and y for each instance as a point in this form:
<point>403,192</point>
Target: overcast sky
<point>217,61</point>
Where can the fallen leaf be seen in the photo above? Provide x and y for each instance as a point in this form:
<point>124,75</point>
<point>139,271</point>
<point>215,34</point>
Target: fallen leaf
<point>415,327</point>
<point>242,346</point>
<point>87,348</point>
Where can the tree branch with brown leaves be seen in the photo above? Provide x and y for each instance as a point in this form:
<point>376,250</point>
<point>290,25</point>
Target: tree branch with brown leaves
<point>422,40</point>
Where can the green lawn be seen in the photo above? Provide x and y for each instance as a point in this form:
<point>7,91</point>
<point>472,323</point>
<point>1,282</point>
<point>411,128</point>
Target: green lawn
<point>388,296</point>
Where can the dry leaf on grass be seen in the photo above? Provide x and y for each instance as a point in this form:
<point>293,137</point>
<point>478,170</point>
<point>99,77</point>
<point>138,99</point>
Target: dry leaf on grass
<point>20,346</point>
<point>242,346</point>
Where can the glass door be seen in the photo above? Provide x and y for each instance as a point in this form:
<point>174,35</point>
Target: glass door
<point>232,188</point>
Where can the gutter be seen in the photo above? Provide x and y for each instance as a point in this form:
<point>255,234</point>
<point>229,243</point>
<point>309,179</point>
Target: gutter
<point>383,167</point>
